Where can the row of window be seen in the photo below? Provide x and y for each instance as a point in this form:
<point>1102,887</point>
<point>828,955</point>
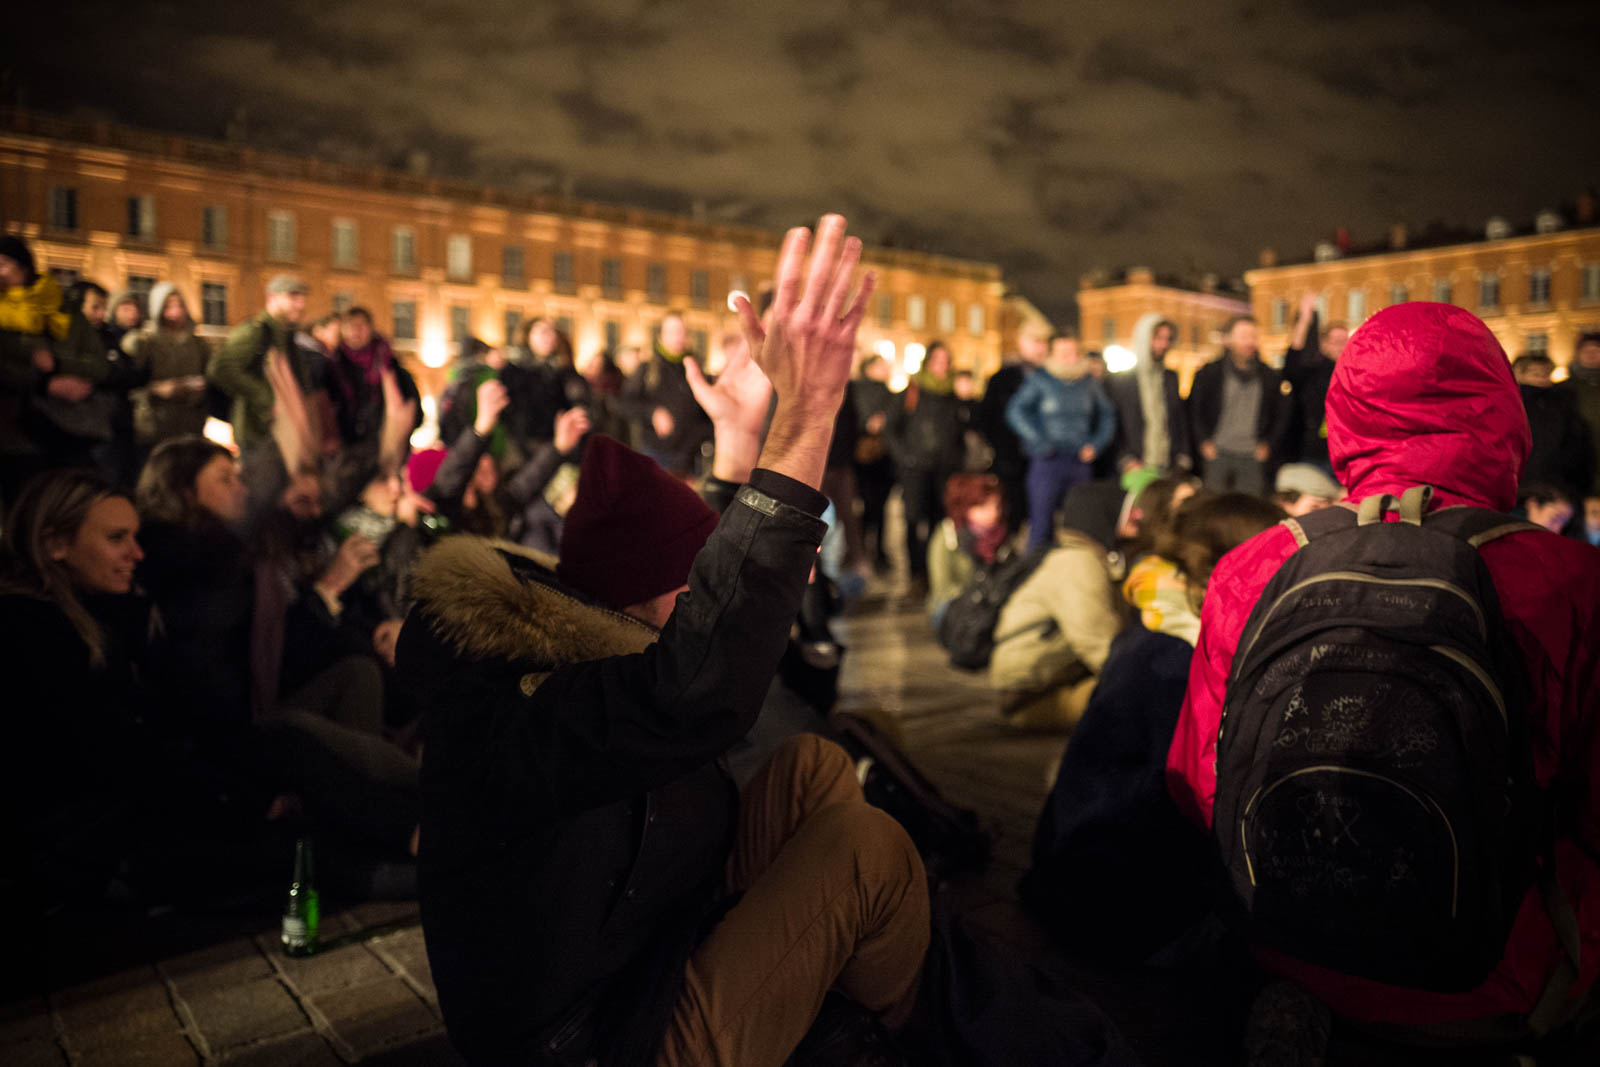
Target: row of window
<point>1444,293</point>
<point>283,247</point>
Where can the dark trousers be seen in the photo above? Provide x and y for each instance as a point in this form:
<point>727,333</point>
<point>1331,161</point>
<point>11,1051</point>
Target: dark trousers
<point>1049,479</point>
<point>1013,475</point>
<point>875,482</point>
<point>1236,472</point>
<point>922,493</point>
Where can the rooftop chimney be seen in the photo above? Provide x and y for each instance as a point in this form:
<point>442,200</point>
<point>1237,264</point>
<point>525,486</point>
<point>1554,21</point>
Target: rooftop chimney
<point>1496,229</point>
<point>1208,282</point>
<point>1341,238</point>
<point>1585,209</point>
<point>1268,257</point>
<point>1325,251</point>
<point>1547,222</point>
<point>1141,276</point>
<point>1397,236</point>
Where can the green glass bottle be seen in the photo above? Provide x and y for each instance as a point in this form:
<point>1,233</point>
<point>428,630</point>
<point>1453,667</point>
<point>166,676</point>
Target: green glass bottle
<point>302,914</point>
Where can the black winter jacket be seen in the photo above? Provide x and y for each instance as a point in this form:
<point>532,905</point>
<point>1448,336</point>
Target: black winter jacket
<point>575,823</point>
<point>1123,389</point>
<point>660,383</point>
<point>1205,404</point>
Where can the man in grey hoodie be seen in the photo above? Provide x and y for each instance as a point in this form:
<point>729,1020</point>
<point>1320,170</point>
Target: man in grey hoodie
<point>1152,426</point>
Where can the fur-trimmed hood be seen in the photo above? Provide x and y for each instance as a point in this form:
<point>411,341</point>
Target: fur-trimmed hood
<point>483,608</point>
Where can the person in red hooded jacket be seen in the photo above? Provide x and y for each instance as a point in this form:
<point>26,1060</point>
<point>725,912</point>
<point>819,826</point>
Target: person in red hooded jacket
<point>1424,395</point>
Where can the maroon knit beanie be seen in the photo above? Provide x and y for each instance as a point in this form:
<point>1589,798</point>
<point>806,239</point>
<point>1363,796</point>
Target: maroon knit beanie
<point>634,529</point>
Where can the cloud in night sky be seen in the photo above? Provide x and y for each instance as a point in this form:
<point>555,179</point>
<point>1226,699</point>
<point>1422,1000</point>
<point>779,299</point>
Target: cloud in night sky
<point>1051,137</point>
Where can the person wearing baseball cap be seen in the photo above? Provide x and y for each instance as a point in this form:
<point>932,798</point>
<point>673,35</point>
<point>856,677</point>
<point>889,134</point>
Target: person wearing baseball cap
<point>239,369</point>
<point>593,887</point>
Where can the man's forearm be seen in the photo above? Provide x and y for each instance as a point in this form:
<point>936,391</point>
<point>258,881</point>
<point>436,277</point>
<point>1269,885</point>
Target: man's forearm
<point>797,443</point>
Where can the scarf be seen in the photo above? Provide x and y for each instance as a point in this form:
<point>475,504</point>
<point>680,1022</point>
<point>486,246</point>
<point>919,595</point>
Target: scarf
<point>1161,596</point>
<point>370,360</point>
<point>929,382</point>
<point>1149,374</point>
<point>35,309</point>
<point>982,542</point>
<point>670,357</point>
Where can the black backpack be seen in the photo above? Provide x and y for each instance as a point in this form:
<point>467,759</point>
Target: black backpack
<point>967,630</point>
<point>1376,807</point>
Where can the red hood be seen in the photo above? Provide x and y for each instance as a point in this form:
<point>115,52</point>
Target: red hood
<point>1423,394</point>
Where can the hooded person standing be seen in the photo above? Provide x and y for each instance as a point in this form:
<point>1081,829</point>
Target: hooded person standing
<point>593,888</point>
<point>171,360</point>
<point>1423,395</point>
<point>1152,428</point>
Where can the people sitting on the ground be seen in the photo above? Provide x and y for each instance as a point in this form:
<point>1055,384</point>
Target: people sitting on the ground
<point>1545,505</point>
<point>1301,488</point>
<point>1152,425</point>
<point>1055,631</point>
<point>171,358</point>
<point>1424,395</point>
<point>570,757</point>
<point>1065,421</point>
<point>528,505</point>
<point>973,535</point>
<point>1117,871</point>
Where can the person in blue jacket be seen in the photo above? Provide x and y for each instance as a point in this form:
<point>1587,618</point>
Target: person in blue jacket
<point>1064,420</point>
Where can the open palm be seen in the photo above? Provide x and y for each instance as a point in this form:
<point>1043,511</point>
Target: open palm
<point>740,396</point>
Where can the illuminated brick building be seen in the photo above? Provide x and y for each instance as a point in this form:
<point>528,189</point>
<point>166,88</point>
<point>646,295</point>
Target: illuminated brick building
<point>1537,289</point>
<point>434,260</point>
<point>1107,311</point>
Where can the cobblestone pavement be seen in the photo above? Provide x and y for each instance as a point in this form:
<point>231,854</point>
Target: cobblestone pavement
<point>370,999</point>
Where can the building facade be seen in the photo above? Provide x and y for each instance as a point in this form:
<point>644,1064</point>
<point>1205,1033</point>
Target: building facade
<point>1537,291</point>
<point>1108,310</point>
<point>435,261</point>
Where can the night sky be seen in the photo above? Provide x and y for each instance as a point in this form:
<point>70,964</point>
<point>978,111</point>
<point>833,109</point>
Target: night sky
<point>1050,137</point>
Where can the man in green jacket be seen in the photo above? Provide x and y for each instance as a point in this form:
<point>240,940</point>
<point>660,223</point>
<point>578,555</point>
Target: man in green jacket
<point>239,368</point>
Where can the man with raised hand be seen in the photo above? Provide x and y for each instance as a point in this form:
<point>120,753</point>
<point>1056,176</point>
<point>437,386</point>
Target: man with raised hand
<point>593,888</point>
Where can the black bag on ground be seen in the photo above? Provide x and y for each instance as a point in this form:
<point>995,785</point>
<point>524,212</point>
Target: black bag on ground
<point>1376,808</point>
<point>967,630</point>
<point>948,837</point>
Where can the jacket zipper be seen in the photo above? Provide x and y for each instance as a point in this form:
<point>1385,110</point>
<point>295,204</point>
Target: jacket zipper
<point>1425,803</point>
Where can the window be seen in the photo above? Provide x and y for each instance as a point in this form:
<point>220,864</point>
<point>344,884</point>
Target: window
<point>66,277</point>
<point>561,273</point>
<point>655,283</point>
<point>1591,282</point>
<point>1442,291</point>
<point>916,312</point>
<point>613,336</point>
<point>458,257</point>
<point>1280,314</point>
<point>886,310</point>
<point>142,217</point>
<point>343,302</point>
<point>1108,330</point>
<point>564,324</point>
<point>140,285</point>
<point>947,316</point>
<point>405,320</point>
<point>611,279</point>
<point>700,289</point>
<point>280,236</point>
<point>460,322</point>
<point>513,323</point>
<point>346,244</point>
<point>1398,294</point>
<point>214,304</point>
<point>214,226</point>
<point>1355,306</point>
<point>511,266</point>
<point>702,343</point>
<point>63,208</point>
<point>403,251</point>
<point>975,320</point>
<point>1194,336</point>
<point>1539,285</point>
<point>1489,291</point>
<point>1537,344</point>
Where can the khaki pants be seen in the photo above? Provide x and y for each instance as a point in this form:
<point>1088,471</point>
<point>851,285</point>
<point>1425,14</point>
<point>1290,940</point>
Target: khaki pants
<point>835,897</point>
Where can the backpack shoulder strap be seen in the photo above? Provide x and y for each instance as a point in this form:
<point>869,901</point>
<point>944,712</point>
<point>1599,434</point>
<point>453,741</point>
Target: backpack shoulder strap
<point>1308,528</point>
<point>1477,526</point>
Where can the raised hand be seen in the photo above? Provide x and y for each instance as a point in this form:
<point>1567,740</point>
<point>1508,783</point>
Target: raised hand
<point>809,344</point>
<point>571,425</point>
<point>737,406</point>
<point>291,421</point>
<point>399,416</point>
<point>492,400</point>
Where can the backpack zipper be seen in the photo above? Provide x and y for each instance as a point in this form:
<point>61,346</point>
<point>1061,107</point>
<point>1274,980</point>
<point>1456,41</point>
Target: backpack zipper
<point>1425,803</point>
